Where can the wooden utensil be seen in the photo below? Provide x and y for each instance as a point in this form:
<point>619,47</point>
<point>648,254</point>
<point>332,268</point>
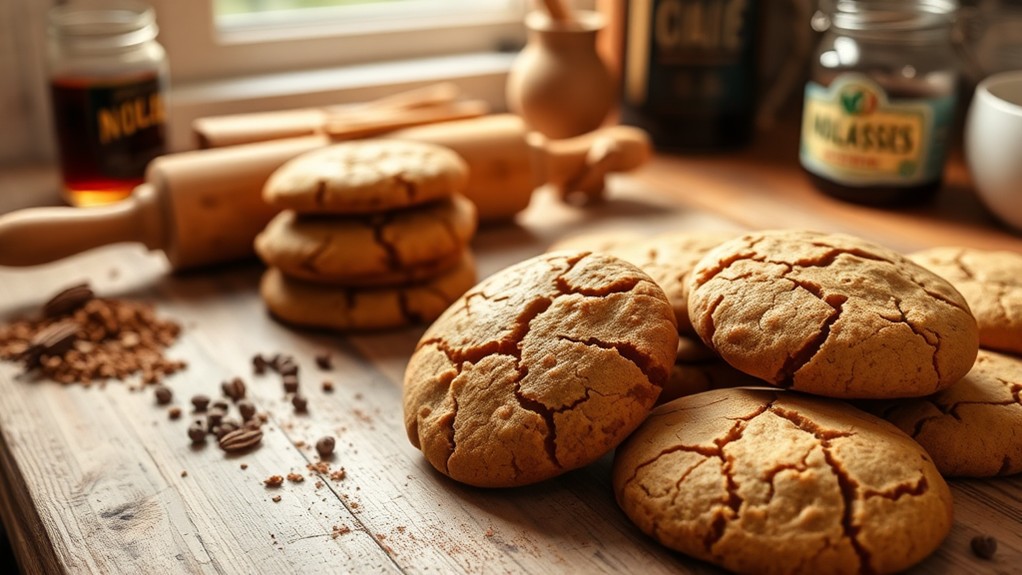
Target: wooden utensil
<point>205,207</point>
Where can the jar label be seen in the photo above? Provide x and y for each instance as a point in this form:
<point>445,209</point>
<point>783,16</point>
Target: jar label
<point>854,133</point>
<point>108,129</point>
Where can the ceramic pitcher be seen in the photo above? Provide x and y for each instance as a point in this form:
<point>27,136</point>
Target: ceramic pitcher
<point>558,84</point>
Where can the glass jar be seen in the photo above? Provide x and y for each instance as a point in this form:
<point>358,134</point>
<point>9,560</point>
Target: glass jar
<point>108,81</point>
<point>880,102</point>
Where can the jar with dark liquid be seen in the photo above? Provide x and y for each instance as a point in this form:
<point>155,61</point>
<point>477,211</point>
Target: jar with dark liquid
<point>108,80</point>
<point>880,103</point>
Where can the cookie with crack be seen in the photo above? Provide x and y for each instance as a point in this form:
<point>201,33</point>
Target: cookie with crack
<point>974,427</point>
<point>667,257</point>
<point>991,281</point>
<point>769,481</point>
<point>831,314</point>
<point>366,176</point>
<point>697,368</point>
<point>338,308</point>
<point>394,247</point>
<point>542,368</point>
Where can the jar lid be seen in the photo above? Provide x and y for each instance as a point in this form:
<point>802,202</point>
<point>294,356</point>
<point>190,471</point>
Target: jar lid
<point>109,24</point>
<point>887,15</point>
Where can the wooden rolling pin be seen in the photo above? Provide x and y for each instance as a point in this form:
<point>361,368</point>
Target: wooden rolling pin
<point>205,206</point>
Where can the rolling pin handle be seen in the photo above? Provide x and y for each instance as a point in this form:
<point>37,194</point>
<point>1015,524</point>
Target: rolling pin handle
<point>40,235</point>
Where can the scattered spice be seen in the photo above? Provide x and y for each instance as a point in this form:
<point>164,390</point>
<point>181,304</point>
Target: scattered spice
<point>79,338</point>
<point>338,531</point>
<point>163,395</point>
<point>325,446</point>
<point>324,361</point>
<point>200,402</point>
<point>984,546</point>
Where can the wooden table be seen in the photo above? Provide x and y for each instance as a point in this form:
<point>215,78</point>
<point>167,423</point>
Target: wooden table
<point>93,479</point>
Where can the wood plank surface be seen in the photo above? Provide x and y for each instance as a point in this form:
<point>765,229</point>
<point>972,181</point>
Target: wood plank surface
<point>100,480</point>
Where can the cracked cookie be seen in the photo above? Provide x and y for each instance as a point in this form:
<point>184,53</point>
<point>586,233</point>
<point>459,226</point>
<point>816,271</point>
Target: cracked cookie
<point>974,427</point>
<point>831,314</point>
<point>991,281</point>
<point>387,248</point>
<point>542,368</point>
<point>667,257</point>
<point>697,368</point>
<point>344,308</point>
<point>366,176</point>
<point>767,481</point>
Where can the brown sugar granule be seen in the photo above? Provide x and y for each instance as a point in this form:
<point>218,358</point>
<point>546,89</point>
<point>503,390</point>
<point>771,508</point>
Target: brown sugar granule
<point>200,402</point>
<point>324,361</point>
<point>295,477</point>
<point>325,446</point>
<point>984,546</point>
<point>273,481</point>
<point>174,413</point>
<point>275,498</point>
<point>112,339</point>
<point>163,395</point>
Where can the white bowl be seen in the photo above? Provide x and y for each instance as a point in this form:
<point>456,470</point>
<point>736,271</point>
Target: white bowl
<point>993,145</point>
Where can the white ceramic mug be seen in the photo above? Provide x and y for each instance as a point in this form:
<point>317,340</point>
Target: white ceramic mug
<point>993,145</point>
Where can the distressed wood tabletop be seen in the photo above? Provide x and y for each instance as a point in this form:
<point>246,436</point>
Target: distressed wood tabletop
<point>99,479</point>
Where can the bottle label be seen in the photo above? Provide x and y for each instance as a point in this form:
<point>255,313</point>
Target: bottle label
<point>855,134</point>
<point>690,55</point>
<point>108,129</point>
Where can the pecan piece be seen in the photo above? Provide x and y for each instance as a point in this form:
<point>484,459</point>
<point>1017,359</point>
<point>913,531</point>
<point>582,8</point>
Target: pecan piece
<point>240,440</point>
<point>68,300</point>
<point>55,340</point>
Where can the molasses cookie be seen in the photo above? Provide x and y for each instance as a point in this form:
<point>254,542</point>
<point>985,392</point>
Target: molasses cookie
<point>697,368</point>
<point>767,481</point>
<point>667,257</point>
<point>308,304</point>
<point>831,314</point>
<point>991,282</point>
<point>398,246</point>
<point>542,368</point>
<point>366,176</point>
<point>974,427</point>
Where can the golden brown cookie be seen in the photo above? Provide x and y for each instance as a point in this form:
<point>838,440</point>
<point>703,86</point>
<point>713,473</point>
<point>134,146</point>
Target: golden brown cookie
<point>542,368</point>
<point>667,257</point>
<point>765,481</point>
<point>387,248</point>
<point>366,176</point>
<point>697,368</point>
<point>831,314</point>
<point>974,427</point>
<point>991,282</point>
<point>342,308</point>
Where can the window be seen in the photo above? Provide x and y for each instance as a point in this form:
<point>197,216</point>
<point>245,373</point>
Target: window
<point>213,39</point>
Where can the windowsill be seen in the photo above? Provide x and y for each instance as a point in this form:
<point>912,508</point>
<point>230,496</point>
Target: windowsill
<point>480,75</point>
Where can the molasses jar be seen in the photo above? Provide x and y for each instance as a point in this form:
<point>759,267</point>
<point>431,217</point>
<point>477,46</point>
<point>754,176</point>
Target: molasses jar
<point>880,101</point>
<point>108,80</point>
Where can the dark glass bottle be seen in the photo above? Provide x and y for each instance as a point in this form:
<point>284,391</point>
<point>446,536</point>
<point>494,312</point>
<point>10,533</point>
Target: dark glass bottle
<point>689,72</point>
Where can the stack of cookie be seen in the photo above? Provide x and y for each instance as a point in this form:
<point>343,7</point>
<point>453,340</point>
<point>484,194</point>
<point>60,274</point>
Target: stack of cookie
<point>372,234</point>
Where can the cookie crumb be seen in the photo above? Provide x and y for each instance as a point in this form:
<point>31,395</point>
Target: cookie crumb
<point>328,385</point>
<point>338,474</point>
<point>244,466</point>
<point>984,546</point>
<point>184,474</point>
<point>276,498</point>
<point>489,533</point>
<point>174,413</point>
<point>295,477</point>
<point>273,481</point>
